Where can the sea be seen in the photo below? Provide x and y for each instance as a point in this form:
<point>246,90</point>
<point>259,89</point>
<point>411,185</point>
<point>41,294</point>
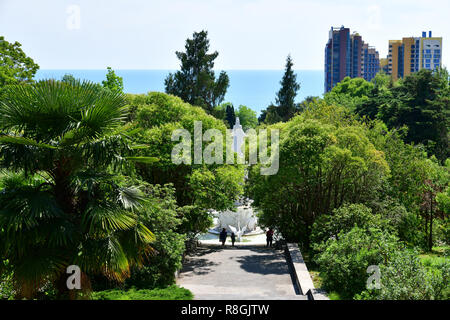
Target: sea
<point>255,89</point>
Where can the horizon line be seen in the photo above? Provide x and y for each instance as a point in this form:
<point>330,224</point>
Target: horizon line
<point>76,69</point>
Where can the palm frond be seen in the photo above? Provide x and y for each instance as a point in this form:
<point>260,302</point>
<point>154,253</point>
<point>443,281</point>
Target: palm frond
<point>106,219</point>
<point>23,141</point>
<point>48,109</point>
<point>103,256</point>
<point>131,197</point>
<point>23,208</point>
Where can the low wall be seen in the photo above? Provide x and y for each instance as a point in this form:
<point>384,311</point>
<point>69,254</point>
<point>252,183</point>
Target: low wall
<point>301,273</point>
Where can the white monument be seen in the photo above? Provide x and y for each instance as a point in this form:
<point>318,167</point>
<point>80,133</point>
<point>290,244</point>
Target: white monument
<point>243,221</point>
<point>238,138</point>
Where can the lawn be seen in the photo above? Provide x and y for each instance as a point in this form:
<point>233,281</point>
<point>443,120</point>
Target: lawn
<point>437,256</point>
<point>170,293</point>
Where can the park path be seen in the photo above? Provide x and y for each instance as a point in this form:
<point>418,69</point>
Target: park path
<point>239,273</point>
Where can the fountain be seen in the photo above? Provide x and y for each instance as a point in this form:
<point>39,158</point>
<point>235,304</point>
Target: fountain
<point>242,222</point>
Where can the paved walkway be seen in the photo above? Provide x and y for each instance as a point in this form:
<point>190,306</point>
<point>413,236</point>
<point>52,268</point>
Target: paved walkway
<point>240,273</point>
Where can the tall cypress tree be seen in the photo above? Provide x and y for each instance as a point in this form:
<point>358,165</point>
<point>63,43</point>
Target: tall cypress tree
<point>230,115</point>
<point>196,82</point>
<point>285,99</point>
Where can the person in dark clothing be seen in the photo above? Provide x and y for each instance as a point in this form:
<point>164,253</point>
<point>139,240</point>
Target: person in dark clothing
<point>223,236</point>
<point>233,238</point>
<point>269,237</point>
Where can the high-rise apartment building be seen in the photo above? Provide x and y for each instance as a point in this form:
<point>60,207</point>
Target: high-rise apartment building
<point>346,55</point>
<point>412,54</point>
<point>370,62</point>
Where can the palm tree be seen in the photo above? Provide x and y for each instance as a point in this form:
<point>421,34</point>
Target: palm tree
<point>65,203</point>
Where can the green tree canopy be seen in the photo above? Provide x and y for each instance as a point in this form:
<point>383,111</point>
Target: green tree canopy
<point>196,82</point>
<point>344,262</point>
<point>230,115</point>
<point>113,82</point>
<point>199,187</point>
<point>350,92</point>
<point>247,117</point>
<point>284,107</point>
<point>68,78</point>
<point>15,65</point>
<point>421,102</point>
<point>285,99</point>
<point>325,160</point>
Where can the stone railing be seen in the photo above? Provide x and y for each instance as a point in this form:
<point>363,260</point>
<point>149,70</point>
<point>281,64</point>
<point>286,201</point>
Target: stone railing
<point>301,274</point>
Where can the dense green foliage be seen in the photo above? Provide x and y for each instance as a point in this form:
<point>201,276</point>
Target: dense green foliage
<point>421,102</point>
<point>87,178</point>
<point>285,99</point>
<point>404,277</point>
<point>196,82</point>
<point>65,206</point>
<point>169,293</point>
<point>198,187</point>
<point>363,180</point>
<point>350,92</point>
<point>344,261</point>
<point>15,65</point>
<point>162,215</point>
<point>247,117</point>
<point>228,114</point>
<point>322,166</point>
<point>342,220</point>
<point>113,82</point>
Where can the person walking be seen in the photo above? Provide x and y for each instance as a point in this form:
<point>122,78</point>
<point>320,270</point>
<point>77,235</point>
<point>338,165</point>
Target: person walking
<point>223,236</point>
<point>233,239</point>
<point>269,237</point>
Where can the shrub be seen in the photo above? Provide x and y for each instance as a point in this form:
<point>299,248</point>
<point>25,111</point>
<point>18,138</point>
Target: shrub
<point>6,281</point>
<point>161,215</point>
<point>170,293</point>
<point>160,269</point>
<point>404,277</point>
<point>342,220</point>
<point>408,231</point>
<point>344,262</point>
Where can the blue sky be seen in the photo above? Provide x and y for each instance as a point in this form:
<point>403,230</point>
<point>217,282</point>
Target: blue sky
<point>249,34</point>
